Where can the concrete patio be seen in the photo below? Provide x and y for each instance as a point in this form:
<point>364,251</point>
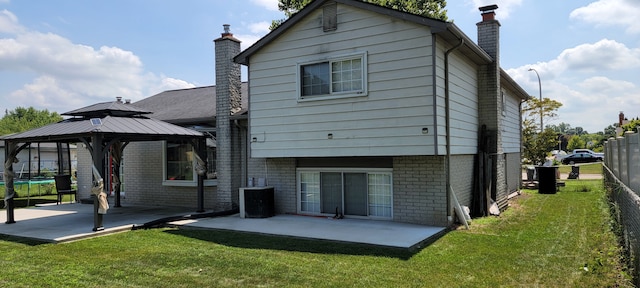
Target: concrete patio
<point>70,222</point>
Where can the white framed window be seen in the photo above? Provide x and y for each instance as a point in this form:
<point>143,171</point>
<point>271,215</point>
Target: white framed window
<point>352,192</point>
<point>335,77</point>
<point>179,164</point>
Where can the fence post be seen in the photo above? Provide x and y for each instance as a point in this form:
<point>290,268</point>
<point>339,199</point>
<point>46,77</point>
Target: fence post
<point>623,160</point>
<point>613,164</point>
<point>633,160</point>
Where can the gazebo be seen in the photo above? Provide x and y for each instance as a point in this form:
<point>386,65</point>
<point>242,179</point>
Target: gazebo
<point>106,129</point>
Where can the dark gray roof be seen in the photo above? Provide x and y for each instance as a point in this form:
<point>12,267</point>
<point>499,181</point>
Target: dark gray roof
<point>187,106</point>
<point>115,108</point>
<point>124,128</point>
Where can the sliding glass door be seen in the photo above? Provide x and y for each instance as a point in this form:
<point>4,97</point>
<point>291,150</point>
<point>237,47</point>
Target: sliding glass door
<point>352,193</point>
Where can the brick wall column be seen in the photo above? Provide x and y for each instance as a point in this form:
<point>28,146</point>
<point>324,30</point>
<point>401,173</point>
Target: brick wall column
<point>227,102</point>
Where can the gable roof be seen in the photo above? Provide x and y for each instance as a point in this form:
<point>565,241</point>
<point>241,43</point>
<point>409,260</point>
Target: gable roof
<point>187,106</point>
<point>447,30</point>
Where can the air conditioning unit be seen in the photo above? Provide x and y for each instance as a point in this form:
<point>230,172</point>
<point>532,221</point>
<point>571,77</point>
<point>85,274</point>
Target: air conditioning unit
<point>257,202</point>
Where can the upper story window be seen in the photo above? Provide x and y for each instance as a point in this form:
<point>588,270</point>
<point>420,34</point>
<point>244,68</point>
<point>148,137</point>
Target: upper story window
<point>340,76</point>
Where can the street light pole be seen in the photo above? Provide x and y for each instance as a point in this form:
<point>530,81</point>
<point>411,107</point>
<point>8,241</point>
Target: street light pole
<point>539,88</point>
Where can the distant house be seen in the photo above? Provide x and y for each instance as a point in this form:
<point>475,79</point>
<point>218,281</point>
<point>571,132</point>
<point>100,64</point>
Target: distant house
<point>373,113</point>
<point>40,160</point>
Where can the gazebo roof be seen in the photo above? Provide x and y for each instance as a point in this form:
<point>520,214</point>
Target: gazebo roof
<point>110,119</point>
<point>101,127</point>
<point>115,108</point>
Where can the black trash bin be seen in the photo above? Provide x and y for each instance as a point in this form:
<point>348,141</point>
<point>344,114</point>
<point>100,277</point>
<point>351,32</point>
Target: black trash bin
<point>575,172</point>
<point>547,179</point>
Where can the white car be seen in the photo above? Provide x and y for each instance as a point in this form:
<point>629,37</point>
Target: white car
<point>558,154</point>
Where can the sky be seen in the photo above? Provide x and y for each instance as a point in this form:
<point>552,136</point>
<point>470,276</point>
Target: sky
<point>66,54</point>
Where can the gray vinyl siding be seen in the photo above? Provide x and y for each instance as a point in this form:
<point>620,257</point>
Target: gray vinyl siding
<point>463,104</point>
<point>511,124</point>
<point>387,122</point>
<point>463,93</point>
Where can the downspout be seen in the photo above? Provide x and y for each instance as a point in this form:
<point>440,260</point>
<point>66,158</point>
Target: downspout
<point>448,126</point>
<point>520,133</point>
<point>245,158</point>
<point>434,73</point>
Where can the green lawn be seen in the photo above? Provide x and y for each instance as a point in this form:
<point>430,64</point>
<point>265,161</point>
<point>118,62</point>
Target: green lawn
<point>592,168</point>
<point>557,240</point>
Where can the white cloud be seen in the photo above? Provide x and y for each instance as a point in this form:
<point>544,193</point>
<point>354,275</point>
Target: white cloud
<point>70,75</point>
<point>9,22</point>
<point>622,13</point>
<point>260,27</point>
<point>269,4</point>
<point>248,40</point>
<point>169,83</point>
<point>591,81</point>
<point>604,55</point>
<point>504,6</point>
<point>604,86</point>
<point>44,91</point>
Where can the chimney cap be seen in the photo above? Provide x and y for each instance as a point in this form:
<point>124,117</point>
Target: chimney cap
<point>488,8</point>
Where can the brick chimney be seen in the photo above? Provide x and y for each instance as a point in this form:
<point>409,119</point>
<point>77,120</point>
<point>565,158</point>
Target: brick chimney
<point>228,72</point>
<point>490,98</point>
<point>489,32</point>
<point>228,102</point>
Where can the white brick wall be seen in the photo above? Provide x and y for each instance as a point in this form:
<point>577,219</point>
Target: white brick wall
<point>143,181</point>
<point>281,174</point>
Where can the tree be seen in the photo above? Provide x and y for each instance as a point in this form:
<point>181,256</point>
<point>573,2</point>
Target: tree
<point>427,8</point>
<point>23,119</point>
<point>631,125</point>
<point>610,131</point>
<point>576,142</point>
<point>537,145</point>
<point>533,107</point>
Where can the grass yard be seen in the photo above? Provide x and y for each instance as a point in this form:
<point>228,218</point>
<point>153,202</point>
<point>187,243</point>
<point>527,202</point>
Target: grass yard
<point>542,240</point>
<point>591,168</point>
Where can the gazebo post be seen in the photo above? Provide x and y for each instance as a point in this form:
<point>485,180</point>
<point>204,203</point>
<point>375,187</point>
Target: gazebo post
<point>201,150</point>
<point>10,152</point>
<point>8,181</point>
<point>98,157</point>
